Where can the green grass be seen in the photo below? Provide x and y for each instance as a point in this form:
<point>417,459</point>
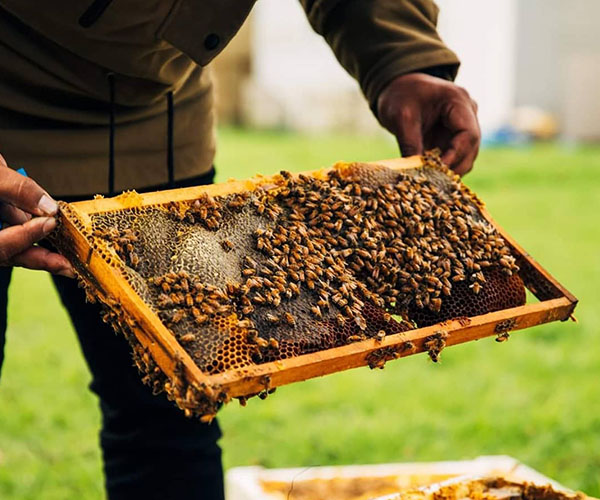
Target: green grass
<point>536,397</point>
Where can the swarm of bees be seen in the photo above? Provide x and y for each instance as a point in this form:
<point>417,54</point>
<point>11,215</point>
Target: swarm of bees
<point>361,254</point>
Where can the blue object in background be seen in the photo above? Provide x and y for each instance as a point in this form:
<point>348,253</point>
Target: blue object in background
<point>505,136</point>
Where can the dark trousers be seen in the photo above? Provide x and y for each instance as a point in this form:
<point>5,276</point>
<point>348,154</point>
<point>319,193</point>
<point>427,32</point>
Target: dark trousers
<point>150,449</point>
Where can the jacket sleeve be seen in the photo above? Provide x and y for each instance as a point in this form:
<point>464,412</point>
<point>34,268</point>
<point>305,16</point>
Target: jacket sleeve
<point>377,40</point>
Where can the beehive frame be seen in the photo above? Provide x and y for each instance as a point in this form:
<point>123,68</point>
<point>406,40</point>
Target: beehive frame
<point>111,287</point>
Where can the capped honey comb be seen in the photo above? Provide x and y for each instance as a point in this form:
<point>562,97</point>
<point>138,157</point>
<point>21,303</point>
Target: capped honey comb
<point>300,264</point>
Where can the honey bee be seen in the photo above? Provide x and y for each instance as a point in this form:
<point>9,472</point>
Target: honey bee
<point>347,252</point>
<point>355,338</point>
<point>232,288</point>
<point>360,322</point>
<point>272,318</point>
<point>265,380</point>
<point>245,323</point>
<point>252,336</point>
<point>380,335</point>
<point>258,299</point>
<point>178,316</point>
<point>200,319</point>
<point>146,358</point>
<point>164,300</point>
<point>432,280</point>
<point>224,309</point>
<point>323,303</point>
<point>502,337</point>
<point>188,337</point>
<point>289,319</point>
<point>316,311</point>
<point>363,253</point>
<point>262,343</point>
<point>246,310</point>
<point>208,309</point>
<point>189,300</point>
<point>435,304</point>
<point>254,283</point>
<point>273,343</point>
<point>409,346</point>
<point>476,287</point>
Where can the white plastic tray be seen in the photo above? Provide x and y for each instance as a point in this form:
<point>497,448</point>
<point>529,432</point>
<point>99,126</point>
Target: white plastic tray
<point>244,483</point>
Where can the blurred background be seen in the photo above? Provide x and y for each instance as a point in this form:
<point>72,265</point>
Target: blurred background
<point>284,103</point>
<point>533,66</point>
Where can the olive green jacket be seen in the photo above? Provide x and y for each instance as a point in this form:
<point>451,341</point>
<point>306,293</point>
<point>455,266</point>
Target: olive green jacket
<point>55,91</point>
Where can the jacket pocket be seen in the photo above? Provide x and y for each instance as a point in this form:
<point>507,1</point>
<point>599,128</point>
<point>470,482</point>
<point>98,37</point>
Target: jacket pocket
<point>202,28</point>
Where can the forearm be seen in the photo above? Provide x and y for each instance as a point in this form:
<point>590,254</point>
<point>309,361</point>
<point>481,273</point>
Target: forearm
<point>378,40</point>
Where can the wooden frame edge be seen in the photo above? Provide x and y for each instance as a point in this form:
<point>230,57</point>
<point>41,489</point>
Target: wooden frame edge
<point>130,198</point>
<point>252,379</point>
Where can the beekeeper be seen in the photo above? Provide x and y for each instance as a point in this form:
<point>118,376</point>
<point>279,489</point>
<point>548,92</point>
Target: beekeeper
<point>101,96</point>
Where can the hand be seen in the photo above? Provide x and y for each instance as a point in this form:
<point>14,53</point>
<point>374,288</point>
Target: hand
<point>20,198</point>
<point>426,112</point>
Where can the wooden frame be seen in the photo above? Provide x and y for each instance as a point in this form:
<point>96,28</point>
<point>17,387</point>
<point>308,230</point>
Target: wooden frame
<point>110,287</point>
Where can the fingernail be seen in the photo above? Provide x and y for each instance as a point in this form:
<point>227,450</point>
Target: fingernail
<point>67,273</point>
<point>49,225</point>
<point>47,205</point>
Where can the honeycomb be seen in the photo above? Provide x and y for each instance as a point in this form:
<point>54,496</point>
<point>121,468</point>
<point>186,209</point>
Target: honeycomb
<point>487,488</point>
<point>308,263</point>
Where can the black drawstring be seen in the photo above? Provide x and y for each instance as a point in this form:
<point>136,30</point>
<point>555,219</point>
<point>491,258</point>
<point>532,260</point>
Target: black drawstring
<point>170,159</point>
<point>111,136</point>
<point>93,13</point>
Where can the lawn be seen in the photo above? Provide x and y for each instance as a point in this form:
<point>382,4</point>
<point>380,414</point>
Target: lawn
<point>536,397</point>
